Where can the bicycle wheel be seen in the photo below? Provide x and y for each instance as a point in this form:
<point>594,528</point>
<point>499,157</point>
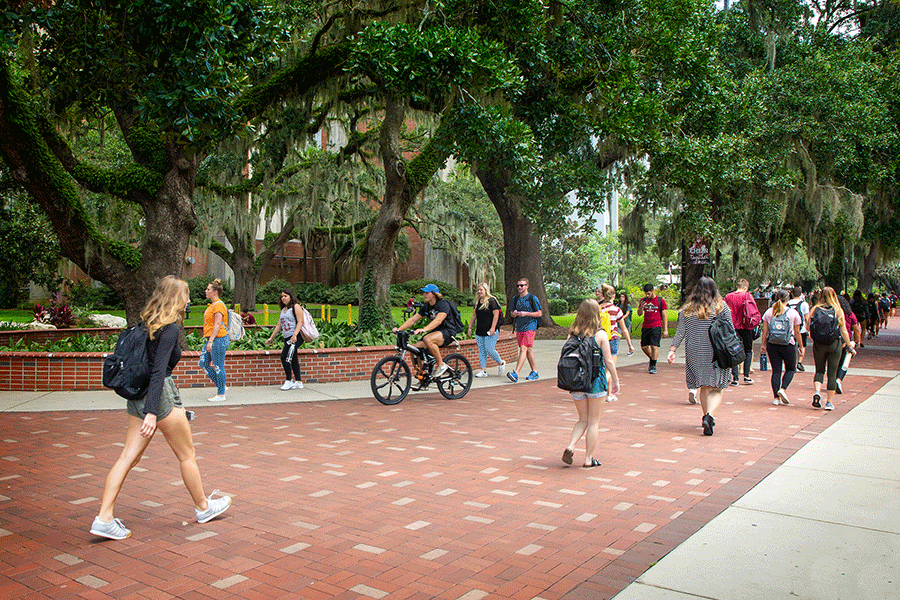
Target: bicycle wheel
<point>390,380</point>
<point>455,383</point>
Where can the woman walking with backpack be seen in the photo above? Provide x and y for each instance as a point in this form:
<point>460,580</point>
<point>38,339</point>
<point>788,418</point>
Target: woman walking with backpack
<point>215,344</point>
<point>827,326</point>
<point>159,409</point>
<point>780,332</point>
<point>703,305</point>
<point>589,322</point>
<point>289,321</point>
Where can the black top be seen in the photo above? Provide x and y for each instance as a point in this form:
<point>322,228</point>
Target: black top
<point>484,317</point>
<point>430,312</point>
<point>163,353</point>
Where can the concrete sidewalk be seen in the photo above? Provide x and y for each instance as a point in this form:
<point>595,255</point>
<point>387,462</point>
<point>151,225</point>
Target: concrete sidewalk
<point>826,524</point>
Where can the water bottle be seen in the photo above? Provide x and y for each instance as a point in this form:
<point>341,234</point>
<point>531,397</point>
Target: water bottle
<point>763,362</point>
<point>290,353</point>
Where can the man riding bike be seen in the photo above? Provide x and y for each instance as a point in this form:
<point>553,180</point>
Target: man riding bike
<point>445,323</point>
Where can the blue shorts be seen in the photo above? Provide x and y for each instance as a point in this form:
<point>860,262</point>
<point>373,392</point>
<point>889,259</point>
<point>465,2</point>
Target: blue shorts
<point>614,346</point>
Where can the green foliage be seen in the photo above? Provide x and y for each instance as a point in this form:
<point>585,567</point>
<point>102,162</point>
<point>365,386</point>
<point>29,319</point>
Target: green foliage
<point>414,286</point>
<point>57,312</point>
<point>558,306</point>
<point>270,292</point>
<point>197,286</point>
<point>30,248</point>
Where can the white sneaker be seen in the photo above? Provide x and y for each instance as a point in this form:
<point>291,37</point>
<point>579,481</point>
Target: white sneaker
<point>481,373</point>
<point>438,371</point>
<point>113,530</point>
<point>297,385</point>
<point>784,399</point>
<point>776,402</point>
<point>611,397</point>
<point>501,369</point>
<point>287,384</point>
<point>214,507</point>
<point>217,398</point>
<point>692,396</point>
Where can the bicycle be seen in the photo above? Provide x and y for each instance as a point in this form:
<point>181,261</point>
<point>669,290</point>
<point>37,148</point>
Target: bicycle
<point>392,378</point>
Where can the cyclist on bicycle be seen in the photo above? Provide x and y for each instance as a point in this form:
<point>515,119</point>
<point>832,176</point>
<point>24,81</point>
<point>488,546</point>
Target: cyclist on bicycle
<point>445,323</point>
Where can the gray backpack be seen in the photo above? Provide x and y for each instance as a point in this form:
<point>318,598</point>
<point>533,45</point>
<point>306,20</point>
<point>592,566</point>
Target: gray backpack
<point>780,330</point>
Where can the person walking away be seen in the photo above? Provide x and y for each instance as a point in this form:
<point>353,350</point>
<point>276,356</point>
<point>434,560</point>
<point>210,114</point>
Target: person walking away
<point>290,320</point>
<point>781,326</point>
<point>854,331</point>
<point>874,318</point>
<point>655,325</point>
<point>215,334</point>
<point>605,296</point>
<point>802,307</point>
<point>860,310</point>
<point>160,408</point>
<point>702,305</point>
<point>588,322</point>
<point>527,314</point>
<point>625,306</point>
<point>827,325</point>
<point>486,316</point>
<point>745,317</point>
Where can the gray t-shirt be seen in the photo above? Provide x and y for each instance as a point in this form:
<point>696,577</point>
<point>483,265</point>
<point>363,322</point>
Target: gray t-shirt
<point>288,322</point>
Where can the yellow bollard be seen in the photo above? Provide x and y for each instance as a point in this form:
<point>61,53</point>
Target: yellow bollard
<point>237,308</point>
<point>322,317</point>
<point>349,314</point>
<point>266,315</point>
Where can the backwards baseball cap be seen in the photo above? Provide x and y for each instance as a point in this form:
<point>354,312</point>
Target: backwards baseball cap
<point>431,288</point>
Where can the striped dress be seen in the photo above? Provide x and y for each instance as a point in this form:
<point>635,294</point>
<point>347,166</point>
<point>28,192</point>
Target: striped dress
<point>700,370</point>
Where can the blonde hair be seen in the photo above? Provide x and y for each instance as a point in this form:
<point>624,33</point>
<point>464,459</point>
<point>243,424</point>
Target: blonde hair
<point>589,319</point>
<point>217,286</point>
<point>828,297</point>
<point>166,304</point>
<point>608,292</point>
<point>483,304</point>
<point>780,305</point>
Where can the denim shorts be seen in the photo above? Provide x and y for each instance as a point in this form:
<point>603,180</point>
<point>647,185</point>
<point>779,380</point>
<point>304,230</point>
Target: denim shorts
<point>614,346</point>
<point>168,400</point>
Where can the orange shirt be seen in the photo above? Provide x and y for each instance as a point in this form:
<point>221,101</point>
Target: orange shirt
<point>209,319</point>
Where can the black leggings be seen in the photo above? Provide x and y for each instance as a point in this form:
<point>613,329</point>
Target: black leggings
<point>828,357</point>
<point>294,365</point>
<point>746,336</point>
<point>788,356</point>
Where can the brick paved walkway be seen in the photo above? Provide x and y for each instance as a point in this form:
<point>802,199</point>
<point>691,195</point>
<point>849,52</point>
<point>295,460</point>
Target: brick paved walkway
<point>427,499</point>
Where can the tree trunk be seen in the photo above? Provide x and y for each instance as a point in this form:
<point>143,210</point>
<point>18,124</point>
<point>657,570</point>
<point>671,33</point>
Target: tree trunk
<point>378,259</point>
<point>868,276</point>
<point>246,273</point>
<point>40,161</point>
<point>521,246</point>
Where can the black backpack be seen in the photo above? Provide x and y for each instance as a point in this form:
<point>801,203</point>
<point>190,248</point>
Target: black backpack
<point>728,349</point>
<point>454,319</point>
<point>824,327</point>
<point>127,370</point>
<point>579,364</point>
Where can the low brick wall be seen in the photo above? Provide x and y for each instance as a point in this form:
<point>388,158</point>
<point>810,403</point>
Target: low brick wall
<point>68,371</point>
<point>44,336</point>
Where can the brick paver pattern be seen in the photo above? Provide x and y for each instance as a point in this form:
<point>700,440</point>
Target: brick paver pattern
<point>426,499</point>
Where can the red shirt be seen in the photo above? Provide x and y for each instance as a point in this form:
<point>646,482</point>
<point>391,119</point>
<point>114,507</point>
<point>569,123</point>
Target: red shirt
<point>735,302</point>
<point>653,309</point>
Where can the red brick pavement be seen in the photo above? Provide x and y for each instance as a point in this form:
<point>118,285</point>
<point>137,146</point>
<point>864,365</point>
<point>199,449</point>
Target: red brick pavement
<point>426,499</point>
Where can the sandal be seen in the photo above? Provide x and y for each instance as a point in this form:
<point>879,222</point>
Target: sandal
<point>567,456</point>
<point>594,463</point>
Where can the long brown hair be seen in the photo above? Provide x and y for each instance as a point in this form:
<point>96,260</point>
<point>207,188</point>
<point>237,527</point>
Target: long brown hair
<point>166,304</point>
<point>587,320</point>
<point>703,297</point>
<point>781,298</point>
<point>828,298</point>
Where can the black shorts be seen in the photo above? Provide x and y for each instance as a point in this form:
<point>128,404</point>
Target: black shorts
<point>651,336</point>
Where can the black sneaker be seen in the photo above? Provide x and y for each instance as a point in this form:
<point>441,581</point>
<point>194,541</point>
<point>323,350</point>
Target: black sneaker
<point>708,424</point>
<point>735,382</point>
<point>817,401</point>
<point>839,389</point>
<point>747,380</point>
<point>652,370</point>
<point>800,367</point>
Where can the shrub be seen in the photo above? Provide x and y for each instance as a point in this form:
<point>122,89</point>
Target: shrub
<point>57,312</point>
<point>270,292</point>
<point>558,306</point>
<point>448,291</point>
<point>198,285</point>
<point>342,294</point>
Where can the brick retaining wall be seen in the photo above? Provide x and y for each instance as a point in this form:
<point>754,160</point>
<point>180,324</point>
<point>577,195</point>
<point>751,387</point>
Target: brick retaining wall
<point>66,371</point>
